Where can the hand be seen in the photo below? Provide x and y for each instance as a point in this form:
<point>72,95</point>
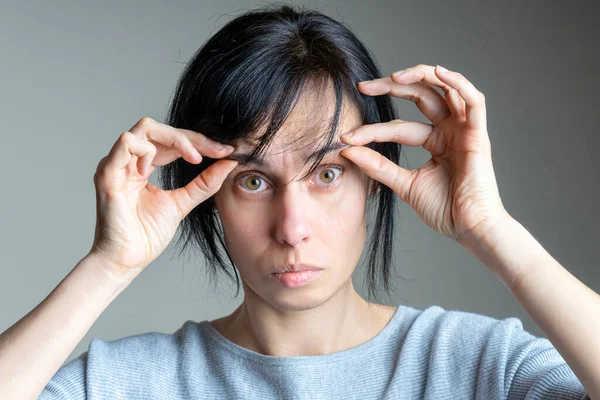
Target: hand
<point>135,219</point>
<point>455,192</point>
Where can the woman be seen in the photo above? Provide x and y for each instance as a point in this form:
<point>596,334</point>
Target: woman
<point>287,205</point>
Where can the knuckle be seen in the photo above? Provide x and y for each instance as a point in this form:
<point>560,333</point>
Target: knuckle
<point>126,137</point>
<point>146,121</point>
<point>481,97</point>
<point>379,163</point>
<point>99,176</point>
<point>395,180</point>
<point>415,95</point>
<point>151,154</point>
<point>202,184</point>
<point>101,163</point>
<point>180,140</point>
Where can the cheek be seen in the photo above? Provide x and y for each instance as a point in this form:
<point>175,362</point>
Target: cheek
<point>241,225</point>
<point>345,220</point>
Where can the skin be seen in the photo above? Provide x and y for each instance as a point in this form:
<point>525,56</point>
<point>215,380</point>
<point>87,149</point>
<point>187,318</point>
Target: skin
<point>320,221</point>
<point>455,193</point>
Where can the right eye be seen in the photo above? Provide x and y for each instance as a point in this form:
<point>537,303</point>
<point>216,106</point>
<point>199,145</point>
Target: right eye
<point>252,183</point>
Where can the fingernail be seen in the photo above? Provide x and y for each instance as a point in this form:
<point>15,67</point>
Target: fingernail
<point>398,73</point>
<point>366,82</point>
<point>442,69</point>
<point>225,147</point>
<point>348,135</point>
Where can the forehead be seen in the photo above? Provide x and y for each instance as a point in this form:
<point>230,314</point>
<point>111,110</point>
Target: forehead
<point>307,125</point>
<point>246,158</point>
<point>303,149</point>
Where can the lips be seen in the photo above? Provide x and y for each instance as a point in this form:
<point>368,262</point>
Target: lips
<point>296,268</point>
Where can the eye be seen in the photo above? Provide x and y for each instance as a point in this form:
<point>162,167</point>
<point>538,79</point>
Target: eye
<point>327,175</point>
<point>252,183</point>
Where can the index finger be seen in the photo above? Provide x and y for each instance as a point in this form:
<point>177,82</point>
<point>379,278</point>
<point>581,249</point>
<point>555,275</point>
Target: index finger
<point>148,128</point>
<point>428,100</point>
<point>474,100</point>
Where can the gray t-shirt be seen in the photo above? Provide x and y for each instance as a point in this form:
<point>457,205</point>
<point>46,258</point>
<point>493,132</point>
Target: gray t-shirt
<point>420,354</point>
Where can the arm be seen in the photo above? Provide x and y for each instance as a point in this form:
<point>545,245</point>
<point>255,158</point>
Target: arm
<point>34,348</point>
<point>563,307</point>
<point>131,231</point>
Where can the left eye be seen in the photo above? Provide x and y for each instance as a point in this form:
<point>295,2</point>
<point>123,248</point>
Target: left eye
<point>326,175</point>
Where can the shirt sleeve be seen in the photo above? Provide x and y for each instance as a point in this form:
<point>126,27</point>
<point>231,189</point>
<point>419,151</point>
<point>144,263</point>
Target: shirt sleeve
<point>68,382</point>
<point>536,370</point>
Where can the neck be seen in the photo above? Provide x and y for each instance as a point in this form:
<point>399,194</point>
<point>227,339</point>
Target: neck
<point>342,322</point>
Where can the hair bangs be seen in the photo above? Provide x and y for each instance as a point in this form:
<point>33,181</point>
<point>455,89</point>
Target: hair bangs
<point>241,86</point>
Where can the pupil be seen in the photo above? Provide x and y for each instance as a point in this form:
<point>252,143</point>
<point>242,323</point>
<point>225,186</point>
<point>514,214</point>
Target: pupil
<point>253,182</point>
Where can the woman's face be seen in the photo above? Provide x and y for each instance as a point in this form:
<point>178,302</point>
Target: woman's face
<point>272,218</point>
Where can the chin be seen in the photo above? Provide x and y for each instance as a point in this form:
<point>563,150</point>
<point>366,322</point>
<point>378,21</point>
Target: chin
<point>299,303</point>
<point>303,298</point>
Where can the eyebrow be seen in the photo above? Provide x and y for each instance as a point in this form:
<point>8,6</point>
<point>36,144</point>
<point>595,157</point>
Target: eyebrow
<point>247,159</point>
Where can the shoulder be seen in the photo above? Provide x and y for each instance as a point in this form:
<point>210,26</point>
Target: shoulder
<point>481,354</point>
<point>440,321</point>
<point>143,365</point>
<point>140,365</point>
<point>147,344</point>
<point>454,340</point>
<point>456,333</point>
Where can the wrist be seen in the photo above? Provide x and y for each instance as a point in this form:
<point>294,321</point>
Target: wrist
<point>490,241</point>
<point>508,249</point>
<point>109,269</point>
<point>486,234</point>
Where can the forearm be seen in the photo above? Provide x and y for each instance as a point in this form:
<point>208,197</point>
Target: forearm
<point>34,348</point>
<point>563,307</point>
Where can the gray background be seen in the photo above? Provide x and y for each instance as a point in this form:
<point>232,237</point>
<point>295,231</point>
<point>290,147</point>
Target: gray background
<point>76,74</point>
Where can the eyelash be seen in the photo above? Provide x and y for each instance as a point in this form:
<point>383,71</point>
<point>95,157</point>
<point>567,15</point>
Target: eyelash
<point>327,186</point>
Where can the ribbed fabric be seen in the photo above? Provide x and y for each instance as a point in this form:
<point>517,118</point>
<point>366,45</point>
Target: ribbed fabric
<point>420,354</point>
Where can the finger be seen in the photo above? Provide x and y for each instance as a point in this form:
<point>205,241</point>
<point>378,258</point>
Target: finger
<point>425,74</point>
<point>457,104</point>
<point>203,186</point>
<point>475,110</point>
<point>426,98</point>
<point>474,100</point>
<point>188,143</point>
<point>101,163</point>
<point>381,169</point>
<point>421,73</point>
<point>127,146</point>
<point>144,164</point>
<point>404,132</point>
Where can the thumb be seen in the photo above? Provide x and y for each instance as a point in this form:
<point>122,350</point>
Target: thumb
<point>381,169</point>
<point>203,186</point>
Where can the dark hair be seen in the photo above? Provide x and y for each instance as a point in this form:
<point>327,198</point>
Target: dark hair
<point>249,75</point>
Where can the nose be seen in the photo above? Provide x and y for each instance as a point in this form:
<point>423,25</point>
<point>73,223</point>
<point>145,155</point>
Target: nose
<point>292,226</point>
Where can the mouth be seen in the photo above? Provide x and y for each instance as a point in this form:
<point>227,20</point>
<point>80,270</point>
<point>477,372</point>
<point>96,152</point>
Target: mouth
<point>296,268</point>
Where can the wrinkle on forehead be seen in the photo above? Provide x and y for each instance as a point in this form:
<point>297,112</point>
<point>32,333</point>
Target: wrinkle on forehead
<point>307,126</point>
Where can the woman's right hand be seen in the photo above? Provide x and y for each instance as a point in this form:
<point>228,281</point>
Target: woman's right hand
<point>135,220</point>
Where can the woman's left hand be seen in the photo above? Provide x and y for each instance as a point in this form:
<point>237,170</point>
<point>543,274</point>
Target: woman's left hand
<point>455,192</point>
